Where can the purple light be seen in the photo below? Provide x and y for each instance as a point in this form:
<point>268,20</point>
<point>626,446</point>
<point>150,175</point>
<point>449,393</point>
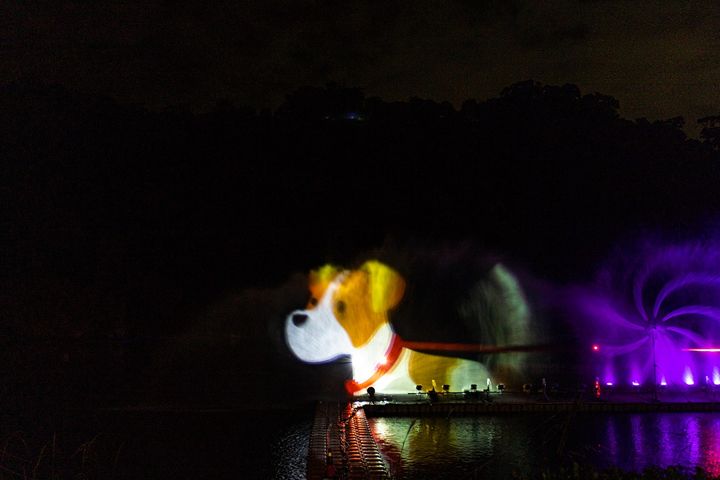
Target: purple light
<point>608,373</point>
<point>653,307</point>
<point>688,377</point>
<point>609,384</point>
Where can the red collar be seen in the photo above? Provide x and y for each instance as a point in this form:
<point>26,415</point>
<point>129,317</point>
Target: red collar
<point>391,357</point>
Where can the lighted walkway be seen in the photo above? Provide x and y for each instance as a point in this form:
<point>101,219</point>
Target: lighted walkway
<point>343,432</point>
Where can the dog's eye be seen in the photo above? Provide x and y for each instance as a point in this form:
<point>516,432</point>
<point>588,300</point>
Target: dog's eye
<point>313,301</point>
<point>340,305</point>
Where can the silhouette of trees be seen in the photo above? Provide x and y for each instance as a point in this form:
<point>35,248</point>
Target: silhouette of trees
<point>710,133</point>
<point>119,209</point>
<point>330,103</point>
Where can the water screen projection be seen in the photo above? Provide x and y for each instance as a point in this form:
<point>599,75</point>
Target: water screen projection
<point>349,315</point>
<point>654,317</point>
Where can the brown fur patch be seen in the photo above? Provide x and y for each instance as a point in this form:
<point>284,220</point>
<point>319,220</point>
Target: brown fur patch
<point>424,368</point>
<point>353,309</point>
<point>319,281</point>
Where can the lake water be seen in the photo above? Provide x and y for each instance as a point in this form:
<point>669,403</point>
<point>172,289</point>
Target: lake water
<point>274,444</point>
<point>496,446</point>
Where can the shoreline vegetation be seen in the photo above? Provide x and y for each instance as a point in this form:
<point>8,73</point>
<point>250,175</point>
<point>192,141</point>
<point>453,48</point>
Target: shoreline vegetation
<point>153,443</point>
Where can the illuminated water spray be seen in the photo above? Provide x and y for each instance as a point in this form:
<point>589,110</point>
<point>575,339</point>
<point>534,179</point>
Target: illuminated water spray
<point>654,316</point>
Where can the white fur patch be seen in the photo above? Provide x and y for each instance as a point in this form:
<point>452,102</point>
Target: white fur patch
<point>320,338</point>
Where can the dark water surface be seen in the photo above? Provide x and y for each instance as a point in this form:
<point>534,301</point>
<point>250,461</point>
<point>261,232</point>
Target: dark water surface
<point>273,444</point>
<point>220,445</point>
<point>495,446</point>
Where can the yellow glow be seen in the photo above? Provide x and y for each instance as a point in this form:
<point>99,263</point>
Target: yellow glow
<point>321,278</point>
<point>387,286</point>
<point>364,298</point>
<point>425,369</point>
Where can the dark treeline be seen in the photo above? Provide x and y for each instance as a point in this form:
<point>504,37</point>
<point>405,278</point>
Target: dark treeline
<point>121,220</point>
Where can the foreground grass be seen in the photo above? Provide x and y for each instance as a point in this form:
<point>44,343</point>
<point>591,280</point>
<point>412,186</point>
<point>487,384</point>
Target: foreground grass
<point>20,459</point>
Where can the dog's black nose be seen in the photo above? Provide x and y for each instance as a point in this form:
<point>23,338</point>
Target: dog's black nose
<point>299,318</point>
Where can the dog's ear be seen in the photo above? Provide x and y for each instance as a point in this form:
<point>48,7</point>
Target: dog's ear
<point>321,278</point>
<point>385,284</point>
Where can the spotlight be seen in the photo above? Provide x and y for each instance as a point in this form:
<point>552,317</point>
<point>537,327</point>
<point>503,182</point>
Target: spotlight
<point>418,388</point>
<point>595,347</point>
<point>371,393</point>
<point>501,387</point>
<point>473,392</point>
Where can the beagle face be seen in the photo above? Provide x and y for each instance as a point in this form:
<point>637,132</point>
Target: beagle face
<point>345,310</point>
<point>348,315</point>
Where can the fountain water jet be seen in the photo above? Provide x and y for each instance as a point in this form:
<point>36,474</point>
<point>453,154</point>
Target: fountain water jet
<point>655,311</point>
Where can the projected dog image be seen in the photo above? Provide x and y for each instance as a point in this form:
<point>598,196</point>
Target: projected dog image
<point>349,314</point>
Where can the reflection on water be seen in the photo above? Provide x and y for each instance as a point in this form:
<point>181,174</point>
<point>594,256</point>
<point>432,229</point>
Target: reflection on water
<point>457,447</point>
<point>636,441</point>
<point>486,446</point>
<point>291,451</point>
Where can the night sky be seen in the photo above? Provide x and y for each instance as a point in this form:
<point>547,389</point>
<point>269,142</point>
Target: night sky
<point>659,59</point>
